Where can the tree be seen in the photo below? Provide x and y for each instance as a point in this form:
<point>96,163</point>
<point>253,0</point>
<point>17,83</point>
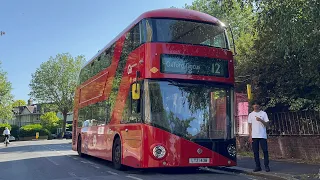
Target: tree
<point>49,120</point>
<point>48,107</point>
<point>238,14</point>
<point>278,46</point>
<point>55,82</point>
<point>19,103</point>
<point>5,96</point>
<point>285,66</point>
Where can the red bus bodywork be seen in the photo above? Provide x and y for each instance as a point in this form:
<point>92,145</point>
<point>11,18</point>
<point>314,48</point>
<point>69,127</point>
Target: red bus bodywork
<point>138,139</point>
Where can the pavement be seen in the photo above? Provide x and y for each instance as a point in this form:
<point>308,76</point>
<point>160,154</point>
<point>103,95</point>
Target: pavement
<point>54,160</point>
<point>279,169</point>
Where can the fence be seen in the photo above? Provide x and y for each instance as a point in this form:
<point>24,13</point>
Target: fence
<point>294,123</point>
<point>241,127</point>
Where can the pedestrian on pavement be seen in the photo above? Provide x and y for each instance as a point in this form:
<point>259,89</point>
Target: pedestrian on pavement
<point>258,123</point>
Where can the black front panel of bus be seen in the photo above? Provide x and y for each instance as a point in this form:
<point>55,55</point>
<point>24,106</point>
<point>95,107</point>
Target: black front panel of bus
<point>219,146</point>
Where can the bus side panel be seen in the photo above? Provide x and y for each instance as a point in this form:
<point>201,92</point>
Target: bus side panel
<point>130,132</point>
<point>98,145</point>
<point>131,144</point>
<point>101,140</point>
<point>95,139</point>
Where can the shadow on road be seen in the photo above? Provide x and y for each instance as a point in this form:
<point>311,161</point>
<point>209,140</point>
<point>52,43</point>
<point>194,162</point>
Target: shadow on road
<point>35,157</point>
<point>151,171</point>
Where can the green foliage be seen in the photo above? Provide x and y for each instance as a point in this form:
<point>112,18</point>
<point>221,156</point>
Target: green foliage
<point>239,16</point>
<point>19,103</point>
<point>32,129</point>
<point>5,96</point>
<point>285,63</point>
<point>278,45</point>
<point>32,126</point>
<point>49,121</point>
<point>55,81</point>
<point>3,126</point>
<point>180,126</point>
<point>48,107</point>
<point>69,127</point>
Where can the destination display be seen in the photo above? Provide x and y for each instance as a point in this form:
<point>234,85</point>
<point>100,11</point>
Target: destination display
<point>193,65</point>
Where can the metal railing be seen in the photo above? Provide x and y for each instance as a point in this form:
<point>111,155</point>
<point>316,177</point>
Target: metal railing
<point>241,125</point>
<point>294,123</point>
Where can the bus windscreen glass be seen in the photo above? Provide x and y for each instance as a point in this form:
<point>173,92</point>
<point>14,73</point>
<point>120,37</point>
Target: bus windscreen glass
<point>190,110</point>
<point>187,32</point>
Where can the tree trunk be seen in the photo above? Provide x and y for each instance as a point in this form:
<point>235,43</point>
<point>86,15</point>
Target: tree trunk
<point>65,114</point>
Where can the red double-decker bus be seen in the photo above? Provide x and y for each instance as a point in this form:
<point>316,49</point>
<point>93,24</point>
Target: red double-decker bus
<point>159,95</point>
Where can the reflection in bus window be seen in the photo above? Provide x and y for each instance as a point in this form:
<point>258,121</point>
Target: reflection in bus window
<point>193,111</point>
<point>94,114</point>
<point>187,32</point>
<point>132,110</point>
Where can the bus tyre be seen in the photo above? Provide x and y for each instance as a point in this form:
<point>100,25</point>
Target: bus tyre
<point>117,154</point>
<point>79,147</point>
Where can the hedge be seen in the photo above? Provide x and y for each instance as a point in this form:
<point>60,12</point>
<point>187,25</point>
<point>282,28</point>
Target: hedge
<point>14,130</point>
<point>69,127</point>
<point>32,129</point>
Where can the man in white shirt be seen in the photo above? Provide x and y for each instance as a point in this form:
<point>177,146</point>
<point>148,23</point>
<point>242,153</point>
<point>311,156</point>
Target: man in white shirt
<point>6,133</point>
<point>258,123</point>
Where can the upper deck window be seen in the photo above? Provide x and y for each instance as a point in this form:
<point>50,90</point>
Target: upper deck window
<point>187,32</point>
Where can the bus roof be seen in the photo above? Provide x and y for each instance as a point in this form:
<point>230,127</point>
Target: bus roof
<point>174,13</point>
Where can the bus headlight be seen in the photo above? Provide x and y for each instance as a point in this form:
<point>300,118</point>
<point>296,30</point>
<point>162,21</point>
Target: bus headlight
<point>159,151</point>
<point>232,150</point>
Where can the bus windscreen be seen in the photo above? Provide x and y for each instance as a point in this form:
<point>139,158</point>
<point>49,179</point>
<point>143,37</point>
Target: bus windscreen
<point>187,32</point>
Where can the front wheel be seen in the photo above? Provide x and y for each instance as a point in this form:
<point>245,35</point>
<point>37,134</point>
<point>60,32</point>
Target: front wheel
<point>117,154</point>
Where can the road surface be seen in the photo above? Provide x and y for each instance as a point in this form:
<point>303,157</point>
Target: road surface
<point>54,160</point>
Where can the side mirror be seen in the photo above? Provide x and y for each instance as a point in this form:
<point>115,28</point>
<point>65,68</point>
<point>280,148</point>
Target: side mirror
<point>135,91</point>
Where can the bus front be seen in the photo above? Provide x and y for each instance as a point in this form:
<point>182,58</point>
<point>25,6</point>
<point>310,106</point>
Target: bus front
<point>187,94</point>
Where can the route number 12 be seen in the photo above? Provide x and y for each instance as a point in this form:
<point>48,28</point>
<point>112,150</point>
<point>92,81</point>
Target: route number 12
<point>216,68</point>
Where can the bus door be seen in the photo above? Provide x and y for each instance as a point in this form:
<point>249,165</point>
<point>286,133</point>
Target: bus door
<point>132,130</point>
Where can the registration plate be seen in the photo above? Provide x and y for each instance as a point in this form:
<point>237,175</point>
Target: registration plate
<point>199,160</point>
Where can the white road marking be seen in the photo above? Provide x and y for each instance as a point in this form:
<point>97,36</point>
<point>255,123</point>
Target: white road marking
<point>252,178</point>
<point>132,177</point>
<point>50,148</point>
<point>84,162</point>
<point>91,163</point>
<point>52,161</point>
<point>72,174</point>
<point>113,173</point>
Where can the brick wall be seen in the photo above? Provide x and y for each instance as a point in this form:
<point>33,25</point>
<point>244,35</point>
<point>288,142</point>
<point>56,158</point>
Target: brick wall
<point>297,147</point>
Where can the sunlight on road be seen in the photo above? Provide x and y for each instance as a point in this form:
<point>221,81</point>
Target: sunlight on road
<point>32,149</point>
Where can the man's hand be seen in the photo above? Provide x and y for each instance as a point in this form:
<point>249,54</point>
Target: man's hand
<point>259,119</point>
<point>262,121</point>
<point>250,139</point>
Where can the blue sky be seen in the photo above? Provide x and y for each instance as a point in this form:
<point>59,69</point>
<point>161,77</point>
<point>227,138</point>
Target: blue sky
<point>38,29</point>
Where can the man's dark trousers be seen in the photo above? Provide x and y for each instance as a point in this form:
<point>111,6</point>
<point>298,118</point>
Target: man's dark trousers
<point>264,146</point>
